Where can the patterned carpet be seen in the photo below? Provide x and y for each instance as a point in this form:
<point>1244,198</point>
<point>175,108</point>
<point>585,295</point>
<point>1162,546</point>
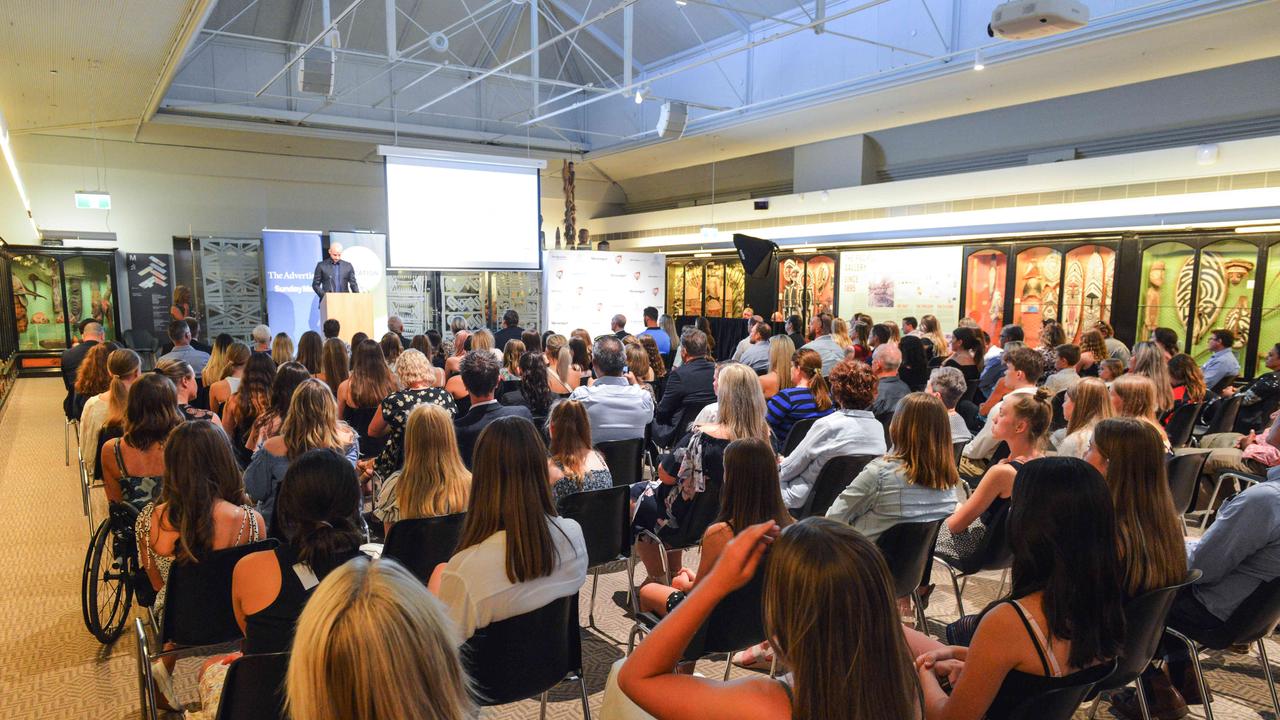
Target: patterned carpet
<point>53,668</point>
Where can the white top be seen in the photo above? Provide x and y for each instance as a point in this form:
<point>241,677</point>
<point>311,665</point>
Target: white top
<point>1064,379</point>
<point>475,588</point>
<point>233,382</point>
<point>92,417</point>
<point>1073,445</point>
<point>982,446</point>
<point>843,432</point>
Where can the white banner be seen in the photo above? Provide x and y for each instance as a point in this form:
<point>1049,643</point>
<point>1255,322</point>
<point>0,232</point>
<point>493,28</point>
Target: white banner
<point>585,289</point>
<point>892,284</point>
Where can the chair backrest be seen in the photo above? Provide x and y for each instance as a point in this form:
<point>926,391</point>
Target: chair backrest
<point>1225,418</point>
<point>1184,470</point>
<point>254,688</point>
<point>1181,423</point>
<point>886,419</point>
<point>198,610</point>
<point>906,548</point>
<point>1144,624</point>
<point>796,434</point>
<point>605,518</point>
<point>1256,617</point>
<point>624,459</point>
<point>834,478</point>
<point>421,544</point>
<point>1059,413</point>
<point>957,449</point>
<point>524,656</point>
<point>705,510</point>
<point>1223,384</point>
<point>1062,703</point>
<point>993,551</point>
<point>737,622</point>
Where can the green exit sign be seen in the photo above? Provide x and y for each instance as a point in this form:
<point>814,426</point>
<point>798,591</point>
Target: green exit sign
<point>93,201</point>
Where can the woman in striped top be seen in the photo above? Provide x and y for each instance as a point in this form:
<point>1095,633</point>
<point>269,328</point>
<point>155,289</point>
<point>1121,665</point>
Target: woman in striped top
<point>809,397</point>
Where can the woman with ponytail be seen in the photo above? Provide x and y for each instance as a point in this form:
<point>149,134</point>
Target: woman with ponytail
<point>808,397</point>
<point>103,415</point>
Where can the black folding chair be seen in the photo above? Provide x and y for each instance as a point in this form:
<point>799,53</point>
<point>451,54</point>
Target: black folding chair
<point>625,459</point>
<point>1182,423</point>
<point>254,688</point>
<point>1184,471</point>
<point>605,519</point>
<point>796,434</point>
<point>1251,623</point>
<point>907,548</point>
<point>420,544</point>
<point>834,478</point>
<point>1224,416</point>
<point>957,449</point>
<point>527,655</point>
<point>993,553</point>
<point>1144,624</point>
<point>1062,703</point>
<point>1059,412</point>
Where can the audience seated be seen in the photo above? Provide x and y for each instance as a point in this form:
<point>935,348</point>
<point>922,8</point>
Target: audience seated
<point>1051,336</point>
<point>433,480</point>
<point>828,605</point>
<point>851,430</point>
<point>1023,367</point>
<point>915,482</point>
<point>575,465</point>
<point>515,553</point>
<point>310,350</point>
<point>1134,396</point>
<point>281,349</point>
<point>1115,348</point>
<point>534,392</point>
<point>227,383</point>
<point>619,410</point>
<point>184,382</point>
<point>180,336</point>
<point>511,329</point>
<point>248,404</point>
<point>103,415</point>
<point>618,326</point>
<point>418,378</point>
<point>217,360</point>
<point>651,329</point>
<point>914,370</point>
<point>269,422</point>
<point>1022,422</point>
<point>931,333</point>
<point>133,465</point>
<point>510,370</point>
<point>362,393</point>
<point>948,385</point>
<point>967,356</point>
<point>1064,377</point>
<point>391,347</point>
<point>823,343</point>
<point>312,423</point>
<point>335,364</point>
<point>885,361</point>
<point>1222,365</point>
<point>580,365</point>
<point>1150,360</point>
<point>1188,384</point>
<point>1093,350</point>
<point>479,370</point>
<point>993,363</point>
<point>461,340</point>
<point>1064,615</point>
<point>92,378</point>
<point>689,388</point>
<point>840,333</point>
<point>1260,398</point>
<point>261,337</point>
<point>807,396</point>
<point>657,366</point>
<point>91,334</point>
<point>781,352</point>
<point>756,354</point>
<point>1085,405</point>
<point>372,643</point>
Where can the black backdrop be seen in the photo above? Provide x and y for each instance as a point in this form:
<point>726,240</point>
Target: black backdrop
<point>726,331</point>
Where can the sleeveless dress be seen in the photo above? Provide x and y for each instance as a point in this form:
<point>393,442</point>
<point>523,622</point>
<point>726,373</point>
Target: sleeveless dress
<point>270,630</point>
<point>138,490</point>
<point>359,419</point>
<point>964,543</point>
<point>142,528</point>
<point>598,479</point>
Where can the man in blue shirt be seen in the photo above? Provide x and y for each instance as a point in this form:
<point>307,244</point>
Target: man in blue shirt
<point>660,336</point>
<point>180,335</point>
<point>1222,362</point>
<point>616,409</point>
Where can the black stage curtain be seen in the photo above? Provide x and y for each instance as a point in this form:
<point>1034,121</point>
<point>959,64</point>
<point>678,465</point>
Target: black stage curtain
<point>728,332</point>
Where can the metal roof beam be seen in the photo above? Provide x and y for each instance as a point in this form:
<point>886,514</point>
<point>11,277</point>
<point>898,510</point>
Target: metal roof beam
<point>599,35</point>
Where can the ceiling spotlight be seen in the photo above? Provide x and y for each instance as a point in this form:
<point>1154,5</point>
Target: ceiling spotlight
<point>1207,154</point>
<point>978,64</point>
<point>682,3</point>
<point>640,93</point>
<point>825,196</point>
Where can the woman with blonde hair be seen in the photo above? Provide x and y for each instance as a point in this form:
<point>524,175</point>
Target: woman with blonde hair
<point>559,363</point>
<point>312,423</point>
<point>828,604</point>
<point>335,365</point>
<point>510,370</point>
<point>914,482</point>
<point>931,329</point>
<point>840,333</point>
<point>373,644</point>
<point>575,465</point>
<point>282,348</point>
<point>181,308</point>
<point>482,339</point>
<point>1134,395</point>
<point>418,377</point>
<point>433,480</point>
<point>228,382</point>
<point>808,397</point>
<point>779,377</point>
<point>1085,404</point>
<point>1148,360</point>
<point>212,371</point>
<point>638,368</point>
<point>103,415</point>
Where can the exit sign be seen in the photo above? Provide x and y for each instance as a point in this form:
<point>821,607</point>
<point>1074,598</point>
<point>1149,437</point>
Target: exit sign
<point>93,201</point>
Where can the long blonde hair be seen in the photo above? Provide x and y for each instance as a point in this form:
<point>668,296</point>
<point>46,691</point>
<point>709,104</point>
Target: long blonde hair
<point>741,402</point>
<point>1148,361</point>
<point>312,421</point>
<point>124,365</point>
<point>433,481</point>
<point>921,433</point>
<point>1137,395</point>
<point>1090,404</point>
<point>282,348</point>
<point>930,327</point>
<point>236,356</point>
<point>781,348</point>
<point>482,340</point>
<point>840,333</point>
<point>372,643</point>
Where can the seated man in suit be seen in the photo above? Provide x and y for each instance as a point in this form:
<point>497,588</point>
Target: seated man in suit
<point>689,388</point>
<point>334,274</point>
<point>511,330</point>
<point>479,370</point>
<point>91,334</point>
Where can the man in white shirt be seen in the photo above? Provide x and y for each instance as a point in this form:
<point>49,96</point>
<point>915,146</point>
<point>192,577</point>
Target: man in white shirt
<point>617,409</point>
<point>746,342</point>
<point>823,344</point>
<point>948,385</point>
<point>756,356</point>
<point>1065,376</point>
<point>1022,369</point>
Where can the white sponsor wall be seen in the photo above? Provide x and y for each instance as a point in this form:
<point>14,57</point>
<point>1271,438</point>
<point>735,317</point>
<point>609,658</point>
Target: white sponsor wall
<point>584,289</point>
<point>892,284</point>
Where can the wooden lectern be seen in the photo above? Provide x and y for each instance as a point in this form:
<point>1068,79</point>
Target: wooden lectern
<point>353,311</point>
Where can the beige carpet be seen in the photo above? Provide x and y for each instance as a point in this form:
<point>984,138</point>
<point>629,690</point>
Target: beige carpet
<point>51,667</point>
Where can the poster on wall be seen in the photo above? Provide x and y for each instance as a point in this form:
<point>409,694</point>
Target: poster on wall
<point>367,253</point>
<point>893,284</point>
<point>585,289</point>
<point>289,258</point>
<point>150,291</point>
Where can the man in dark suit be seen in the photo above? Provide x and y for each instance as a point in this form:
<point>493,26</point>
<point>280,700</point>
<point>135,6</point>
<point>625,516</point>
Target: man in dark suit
<point>396,325</point>
<point>618,326</point>
<point>511,330</point>
<point>479,370</point>
<point>690,388</point>
<point>334,274</point>
<point>90,334</point>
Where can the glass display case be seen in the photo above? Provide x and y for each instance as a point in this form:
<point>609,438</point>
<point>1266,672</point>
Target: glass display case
<point>1224,295</point>
<point>1269,330</point>
<point>52,291</point>
<point>1159,304</point>
<point>1088,283</point>
<point>806,285</point>
<point>713,288</point>
<point>985,276</point>
<point>1038,277</point>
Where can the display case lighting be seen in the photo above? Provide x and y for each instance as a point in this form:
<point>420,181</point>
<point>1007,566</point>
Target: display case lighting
<point>1249,229</point>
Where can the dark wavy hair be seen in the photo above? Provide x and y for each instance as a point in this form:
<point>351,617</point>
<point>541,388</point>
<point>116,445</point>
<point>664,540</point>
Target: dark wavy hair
<point>853,385</point>
<point>151,411</point>
<point>535,388</point>
<point>318,512</point>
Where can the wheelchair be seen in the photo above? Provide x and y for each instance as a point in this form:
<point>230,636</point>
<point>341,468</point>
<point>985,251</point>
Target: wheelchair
<point>113,578</point>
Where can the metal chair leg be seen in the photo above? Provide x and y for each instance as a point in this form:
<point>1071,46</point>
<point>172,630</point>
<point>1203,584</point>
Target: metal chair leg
<point>66,442</point>
<point>1142,700</point>
<point>591,609</point>
<point>728,665</point>
<point>586,704</point>
<point>1195,665</point>
<point>1266,671</point>
<point>921,624</point>
<point>542,713</point>
<point>955,583</point>
<point>773,665</point>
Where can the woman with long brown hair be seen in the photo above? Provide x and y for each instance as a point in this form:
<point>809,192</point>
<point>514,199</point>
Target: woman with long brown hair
<point>310,350</point>
<point>575,465</point>
<point>513,545</point>
<point>288,377</point>
<point>511,354</point>
<point>1085,404</point>
<point>134,464</point>
<point>312,423</point>
<point>828,604</point>
<point>360,394</point>
<point>779,377</point>
<point>248,403</point>
<point>1188,383</point>
<point>914,482</point>
<point>580,370</point>
<point>1148,360</point>
<point>92,377</point>
<point>234,359</point>
<point>391,346</point>
<point>655,358</point>
<point>433,480</point>
<point>103,415</point>
<point>335,366</point>
<point>1093,350</point>
<point>808,397</point>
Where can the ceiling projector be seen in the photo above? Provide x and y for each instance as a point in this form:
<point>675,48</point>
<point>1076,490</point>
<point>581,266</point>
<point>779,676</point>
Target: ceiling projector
<point>1028,19</point>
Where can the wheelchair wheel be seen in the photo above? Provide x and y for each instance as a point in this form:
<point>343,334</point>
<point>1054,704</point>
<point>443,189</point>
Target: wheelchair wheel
<point>106,590</point>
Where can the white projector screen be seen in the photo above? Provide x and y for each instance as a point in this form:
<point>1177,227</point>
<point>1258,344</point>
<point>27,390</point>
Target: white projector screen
<point>445,214</point>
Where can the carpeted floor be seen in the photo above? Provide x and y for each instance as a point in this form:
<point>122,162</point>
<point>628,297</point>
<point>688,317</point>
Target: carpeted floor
<point>53,668</point>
